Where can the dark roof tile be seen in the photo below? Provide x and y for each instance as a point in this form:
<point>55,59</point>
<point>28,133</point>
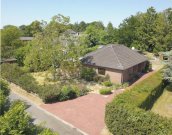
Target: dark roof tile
<point>114,56</point>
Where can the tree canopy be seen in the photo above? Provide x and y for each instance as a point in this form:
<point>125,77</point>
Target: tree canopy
<point>9,40</point>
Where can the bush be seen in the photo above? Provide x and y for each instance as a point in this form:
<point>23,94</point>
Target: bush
<point>87,74</point>
<point>16,121</point>
<point>28,83</point>
<point>107,83</point>
<point>83,91</point>
<point>124,85</point>
<point>67,93</point>
<point>11,72</point>
<point>127,114</point>
<point>148,67</point>
<point>4,92</point>
<point>4,87</point>
<point>100,79</point>
<point>80,90</point>
<point>105,91</point>
<point>49,93</point>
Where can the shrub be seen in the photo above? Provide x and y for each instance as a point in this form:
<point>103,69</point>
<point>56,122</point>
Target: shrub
<point>148,67</point>
<point>67,93</point>
<point>16,121</point>
<point>105,91</point>
<point>11,72</point>
<point>4,92</point>
<point>27,82</point>
<point>80,90</point>
<point>127,114</point>
<point>49,93</point>
<point>83,91</point>
<point>87,73</point>
<point>124,85</point>
<point>4,87</point>
<point>107,83</point>
<point>118,86</point>
<point>100,79</point>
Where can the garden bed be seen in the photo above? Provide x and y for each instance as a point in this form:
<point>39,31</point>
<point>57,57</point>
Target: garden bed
<point>47,92</point>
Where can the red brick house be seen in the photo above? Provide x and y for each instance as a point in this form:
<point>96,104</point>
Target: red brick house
<point>118,61</point>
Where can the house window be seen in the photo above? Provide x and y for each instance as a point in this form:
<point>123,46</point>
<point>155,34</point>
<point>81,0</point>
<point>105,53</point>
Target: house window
<point>101,71</point>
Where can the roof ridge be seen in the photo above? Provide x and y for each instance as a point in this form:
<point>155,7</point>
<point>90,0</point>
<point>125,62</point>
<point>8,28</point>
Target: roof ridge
<point>120,64</point>
<point>98,50</point>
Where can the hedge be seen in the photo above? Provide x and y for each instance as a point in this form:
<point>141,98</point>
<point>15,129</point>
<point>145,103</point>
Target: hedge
<point>48,93</point>
<point>129,112</point>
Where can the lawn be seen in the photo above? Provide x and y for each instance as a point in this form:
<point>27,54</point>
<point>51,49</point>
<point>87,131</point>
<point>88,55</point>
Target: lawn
<point>163,105</point>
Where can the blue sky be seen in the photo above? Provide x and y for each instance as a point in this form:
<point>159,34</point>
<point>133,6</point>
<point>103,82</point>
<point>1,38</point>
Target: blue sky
<point>18,12</point>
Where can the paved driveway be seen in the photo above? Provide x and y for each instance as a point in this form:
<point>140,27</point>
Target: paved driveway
<point>86,112</point>
<point>39,116</point>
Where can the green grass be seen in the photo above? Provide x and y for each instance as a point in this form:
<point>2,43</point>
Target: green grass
<point>163,105</point>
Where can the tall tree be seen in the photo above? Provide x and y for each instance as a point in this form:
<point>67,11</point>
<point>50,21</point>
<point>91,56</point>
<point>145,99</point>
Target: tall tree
<point>147,31</point>
<point>111,34</point>
<point>94,34</point>
<point>9,41</point>
<point>48,52</point>
<point>127,33</point>
<point>32,29</point>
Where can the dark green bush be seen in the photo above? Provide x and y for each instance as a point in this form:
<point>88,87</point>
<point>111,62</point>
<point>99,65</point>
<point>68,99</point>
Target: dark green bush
<point>80,89</point>
<point>49,93</point>
<point>27,82</point>
<point>105,91</point>
<point>67,92</point>
<point>83,91</point>
<point>4,92</point>
<point>127,114</point>
<point>4,87</point>
<point>87,73</point>
<point>148,67</point>
<point>107,83</point>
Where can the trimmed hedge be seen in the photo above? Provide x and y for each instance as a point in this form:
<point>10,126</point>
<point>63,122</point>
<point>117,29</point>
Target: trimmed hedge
<point>127,114</point>
<point>48,93</point>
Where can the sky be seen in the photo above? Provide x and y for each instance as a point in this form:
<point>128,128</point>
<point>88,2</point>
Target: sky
<point>19,12</point>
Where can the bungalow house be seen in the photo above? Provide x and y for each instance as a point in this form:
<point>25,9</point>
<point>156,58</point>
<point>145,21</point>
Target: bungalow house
<point>117,61</point>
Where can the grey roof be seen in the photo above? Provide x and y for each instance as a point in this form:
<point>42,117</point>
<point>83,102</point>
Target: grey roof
<point>26,38</point>
<point>114,56</point>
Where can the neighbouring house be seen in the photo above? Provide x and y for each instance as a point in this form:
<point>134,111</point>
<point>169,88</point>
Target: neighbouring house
<point>26,38</point>
<point>71,33</point>
<point>8,60</point>
<point>117,61</point>
<point>68,36</point>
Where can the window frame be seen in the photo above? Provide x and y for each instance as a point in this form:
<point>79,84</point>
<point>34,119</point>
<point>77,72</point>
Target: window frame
<point>101,71</point>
